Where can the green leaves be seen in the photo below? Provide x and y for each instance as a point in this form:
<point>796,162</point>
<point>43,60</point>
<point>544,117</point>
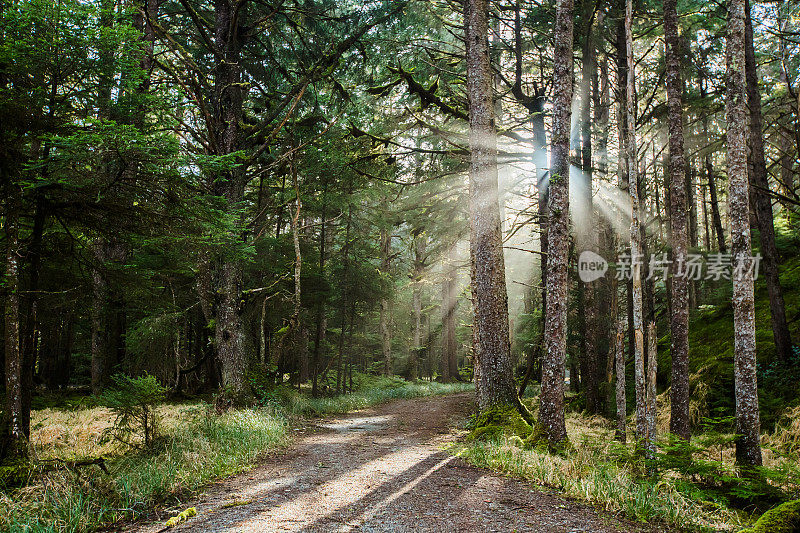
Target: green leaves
<point>133,401</point>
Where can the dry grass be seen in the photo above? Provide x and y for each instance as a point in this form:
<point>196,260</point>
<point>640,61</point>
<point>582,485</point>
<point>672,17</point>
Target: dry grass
<point>611,475</point>
<point>606,473</point>
<point>786,438</point>
<point>80,433</point>
<point>197,446</point>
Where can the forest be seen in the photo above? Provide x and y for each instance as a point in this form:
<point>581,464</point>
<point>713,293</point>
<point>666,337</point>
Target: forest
<point>247,241</point>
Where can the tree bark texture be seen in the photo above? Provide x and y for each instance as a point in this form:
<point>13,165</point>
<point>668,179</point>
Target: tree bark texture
<point>489,297</point>
<point>619,352</point>
<point>551,411</point>
<point>679,288</point>
<point>652,370</point>
<point>748,449</point>
<point>13,438</point>
<point>636,235</point>
<point>227,112</point>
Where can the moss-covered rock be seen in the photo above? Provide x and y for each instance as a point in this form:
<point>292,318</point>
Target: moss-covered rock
<point>784,518</point>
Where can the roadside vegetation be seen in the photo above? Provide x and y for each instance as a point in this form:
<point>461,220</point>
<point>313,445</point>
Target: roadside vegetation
<point>700,492</point>
<point>92,468</point>
<point>695,486</point>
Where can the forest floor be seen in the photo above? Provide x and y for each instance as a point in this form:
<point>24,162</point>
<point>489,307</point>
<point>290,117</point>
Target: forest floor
<point>384,469</point>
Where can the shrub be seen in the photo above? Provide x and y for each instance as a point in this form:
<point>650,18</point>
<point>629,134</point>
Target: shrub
<point>133,401</point>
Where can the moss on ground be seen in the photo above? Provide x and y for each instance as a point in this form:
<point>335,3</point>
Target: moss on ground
<point>506,421</point>
<point>15,473</point>
<point>498,421</point>
<point>784,518</point>
<point>181,517</point>
<point>711,348</point>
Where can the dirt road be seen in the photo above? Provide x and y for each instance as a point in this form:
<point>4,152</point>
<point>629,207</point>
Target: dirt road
<point>384,469</point>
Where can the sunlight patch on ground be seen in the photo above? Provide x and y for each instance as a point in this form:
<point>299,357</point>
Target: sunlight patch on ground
<point>365,423</point>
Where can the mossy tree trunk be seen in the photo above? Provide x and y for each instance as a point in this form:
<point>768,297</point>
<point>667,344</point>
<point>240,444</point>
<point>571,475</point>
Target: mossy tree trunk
<point>679,289</point>
<point>748,449</point>
<point>551,411</point>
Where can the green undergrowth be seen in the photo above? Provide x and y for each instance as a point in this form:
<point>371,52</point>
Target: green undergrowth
<point>204,447</point>
<point>370,391</point>
<point>711,348</point>
<point>195,447</point>
<point>783,519</point>
<point>584,472</point>
<point>686,485</point>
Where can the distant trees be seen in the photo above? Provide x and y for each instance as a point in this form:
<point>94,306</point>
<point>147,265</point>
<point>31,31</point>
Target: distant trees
<point>237,192</point>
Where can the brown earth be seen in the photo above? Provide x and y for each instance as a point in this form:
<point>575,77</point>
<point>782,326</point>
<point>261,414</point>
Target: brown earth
<point>385,469</point>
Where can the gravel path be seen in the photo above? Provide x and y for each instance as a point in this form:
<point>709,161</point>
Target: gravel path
<point>383,469</point>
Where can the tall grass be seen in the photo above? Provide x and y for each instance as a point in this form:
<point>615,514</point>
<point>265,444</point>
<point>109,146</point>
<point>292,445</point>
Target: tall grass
<point>606,474</point>
<point>203,448</point>
<point>197,446</point>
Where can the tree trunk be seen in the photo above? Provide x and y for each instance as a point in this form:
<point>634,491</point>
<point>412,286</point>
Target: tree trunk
<point>386,334</point>
<point>748,449</point>
<point>619,351</point>
<point>345,297</point>
<point>714,201</point>
<point>636,235</point>
<point>623,178</point>
<point>551,411</point>
<point>448,322</point>
<point>789,131</point>
<point>319,334</point>
<point>299,331</point>
<point>29,307</point>
<point>763,203</point>
<point>588,233</point>
<point>13,439</point>
<point>489,298</point>
<point>227,112</point>
<point>420,241</point>
<point>652,370</point>
<point>706,224</point>
<point>452,360</point>
<point>679,304</point>
<point>100,317</point>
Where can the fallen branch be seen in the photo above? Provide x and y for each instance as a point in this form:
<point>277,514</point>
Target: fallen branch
<point>51,465</point>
